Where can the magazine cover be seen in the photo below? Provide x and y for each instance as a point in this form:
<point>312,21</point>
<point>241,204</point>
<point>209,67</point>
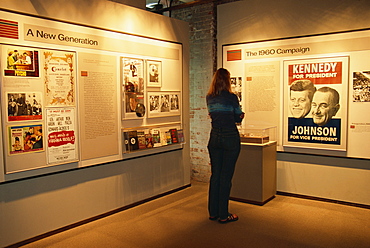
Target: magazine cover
<point>156,136</point>
<point>24,139</point>
<point>21,62</point>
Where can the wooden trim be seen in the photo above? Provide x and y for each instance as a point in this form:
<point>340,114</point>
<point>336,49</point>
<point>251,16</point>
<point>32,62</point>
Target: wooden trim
<point>323,199</point>
<point>252,202</point>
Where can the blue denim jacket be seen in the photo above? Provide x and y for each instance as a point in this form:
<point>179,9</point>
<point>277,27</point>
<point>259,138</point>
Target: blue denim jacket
<point>224,110</point>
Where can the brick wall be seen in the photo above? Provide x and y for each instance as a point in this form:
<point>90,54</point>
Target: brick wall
<point>202,20</point>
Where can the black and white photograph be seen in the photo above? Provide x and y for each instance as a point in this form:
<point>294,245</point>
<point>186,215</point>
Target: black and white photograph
<point>165,103</point>
<point>154,103</point>
<point>236,87</point>
<point>361,86</point>
<point>154,71</point>
<point>24,106</point>
<point>174,102</point>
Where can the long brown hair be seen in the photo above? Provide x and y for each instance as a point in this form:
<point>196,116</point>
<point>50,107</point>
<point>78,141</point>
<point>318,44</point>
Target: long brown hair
<point>220,81</point>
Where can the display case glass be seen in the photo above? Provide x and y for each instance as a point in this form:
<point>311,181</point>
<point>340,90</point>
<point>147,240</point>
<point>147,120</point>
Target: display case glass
<point>257,134</point>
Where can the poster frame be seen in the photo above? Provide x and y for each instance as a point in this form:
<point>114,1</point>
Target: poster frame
<point>22,69</point>
<point>326,134</point>
<point>24,138</point>
<point>133,88</point>
<point>59,99</point>
<point>32,110</point>
<point>62,129</point>
<point>156,79</point>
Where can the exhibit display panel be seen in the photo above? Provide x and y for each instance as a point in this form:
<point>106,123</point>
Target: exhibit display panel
<point>314,89</point>
<point>70,93</point>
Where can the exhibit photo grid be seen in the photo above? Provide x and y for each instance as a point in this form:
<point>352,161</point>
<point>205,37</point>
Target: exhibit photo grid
<point>162,103</point>
<point>154,73</point>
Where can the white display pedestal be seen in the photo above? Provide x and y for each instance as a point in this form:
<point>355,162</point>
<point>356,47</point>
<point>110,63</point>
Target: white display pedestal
<point>254,179</point>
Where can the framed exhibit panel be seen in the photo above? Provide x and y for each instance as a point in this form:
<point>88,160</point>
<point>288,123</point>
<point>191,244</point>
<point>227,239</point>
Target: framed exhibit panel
<point>37,86</point>
<point>313,89</point>
<point>152,114</point>
<point>70,92</point>
<point>133,88</point>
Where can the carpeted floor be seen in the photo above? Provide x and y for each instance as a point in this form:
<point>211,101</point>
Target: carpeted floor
<point>181,220</point>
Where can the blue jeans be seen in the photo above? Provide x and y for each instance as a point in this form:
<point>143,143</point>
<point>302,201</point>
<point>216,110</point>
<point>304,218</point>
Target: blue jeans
<point>224,149</point>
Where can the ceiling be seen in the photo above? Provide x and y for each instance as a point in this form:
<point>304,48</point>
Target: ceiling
<point>165,3</point>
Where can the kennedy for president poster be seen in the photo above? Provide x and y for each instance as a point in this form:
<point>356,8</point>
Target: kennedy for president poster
<point>315,103</point>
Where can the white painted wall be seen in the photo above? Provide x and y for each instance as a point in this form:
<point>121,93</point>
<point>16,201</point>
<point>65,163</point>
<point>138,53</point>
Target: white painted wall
<point>135,3</point>
<point>343,179</point>
<point>34,206</point>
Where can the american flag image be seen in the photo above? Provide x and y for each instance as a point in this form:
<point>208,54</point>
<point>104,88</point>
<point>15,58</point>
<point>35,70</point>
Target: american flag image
<point>8,29</point>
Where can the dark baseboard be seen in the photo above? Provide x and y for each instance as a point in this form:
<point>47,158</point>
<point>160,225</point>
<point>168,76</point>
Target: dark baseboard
<point>80,223</point>
<point>252,202</point>
<point>323,199</point>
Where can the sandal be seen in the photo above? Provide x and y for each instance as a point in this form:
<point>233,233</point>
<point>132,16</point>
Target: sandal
<point>230,218</point>
<point>213,217</point>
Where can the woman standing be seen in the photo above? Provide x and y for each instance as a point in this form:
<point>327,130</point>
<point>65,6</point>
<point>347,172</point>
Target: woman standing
<point>223,145</point>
